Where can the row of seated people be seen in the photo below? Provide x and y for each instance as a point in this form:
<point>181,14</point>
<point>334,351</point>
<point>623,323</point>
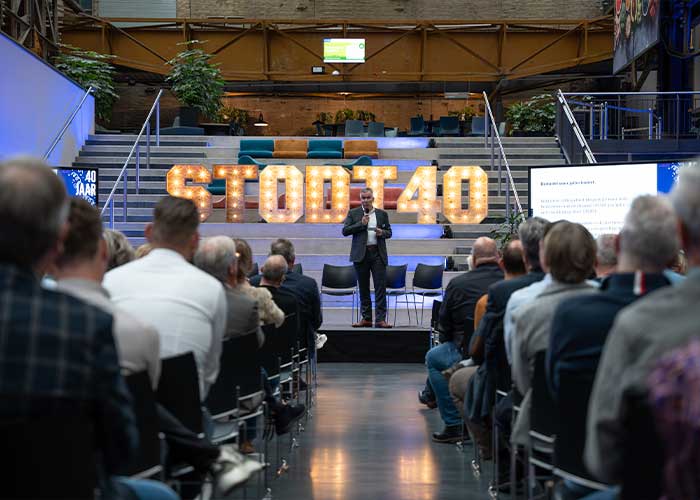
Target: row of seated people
<point>596,346</point>
<point>70,340</point>
<point>302,148</point>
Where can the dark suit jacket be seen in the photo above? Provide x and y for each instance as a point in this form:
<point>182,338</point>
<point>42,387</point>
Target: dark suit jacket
<point>457,310</point>
<point>353,226</point>
<point>289,304</point>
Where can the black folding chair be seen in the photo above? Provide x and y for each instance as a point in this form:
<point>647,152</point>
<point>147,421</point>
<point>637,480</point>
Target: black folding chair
<point>427,282</point>
<point>178,391</point>
<point>340,281</point>
<point>149,462</point>
<point>396,287</point>
<point>434,323</point>
<point>572,410</point>
<point>543,425</point>
<point>65,466</point>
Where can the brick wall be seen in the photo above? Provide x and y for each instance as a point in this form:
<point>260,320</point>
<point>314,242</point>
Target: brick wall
<point>392,9</point>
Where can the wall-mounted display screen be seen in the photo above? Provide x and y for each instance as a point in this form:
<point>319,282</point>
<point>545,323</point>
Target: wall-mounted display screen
<point>80,182</point>
<point>599,195</point>
<point>344,50</point>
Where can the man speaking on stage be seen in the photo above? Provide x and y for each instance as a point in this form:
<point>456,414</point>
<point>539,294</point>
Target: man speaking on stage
<point>370,228</point>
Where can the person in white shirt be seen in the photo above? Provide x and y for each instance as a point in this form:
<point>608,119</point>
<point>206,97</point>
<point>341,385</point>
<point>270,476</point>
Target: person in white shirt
<point>187,306</point>
<point>79,272</point>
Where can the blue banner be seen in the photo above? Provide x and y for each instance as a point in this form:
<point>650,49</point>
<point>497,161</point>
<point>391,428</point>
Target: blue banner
<point>80,182</point>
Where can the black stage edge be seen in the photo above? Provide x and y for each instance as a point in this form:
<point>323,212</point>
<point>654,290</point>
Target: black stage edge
<point>374,345</point>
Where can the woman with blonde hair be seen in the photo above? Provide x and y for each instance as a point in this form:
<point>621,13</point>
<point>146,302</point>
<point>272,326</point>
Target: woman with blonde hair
<point>267,309</point>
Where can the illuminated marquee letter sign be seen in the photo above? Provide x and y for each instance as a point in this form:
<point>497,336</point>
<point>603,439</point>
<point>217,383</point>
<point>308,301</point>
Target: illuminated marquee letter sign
<point>424,184</point>
<point>175,185</point>
<point>374,177</point>
<point>478,195</point>
<point>316,210</point>
<point>235,176</point>
<point>293,195</point>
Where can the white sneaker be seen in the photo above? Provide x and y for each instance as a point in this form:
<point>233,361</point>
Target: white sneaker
<point>231,454</point>
<point>321,340</point>
<point>228,474</point>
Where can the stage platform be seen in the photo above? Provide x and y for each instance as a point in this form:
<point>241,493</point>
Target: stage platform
<point>374,345</point>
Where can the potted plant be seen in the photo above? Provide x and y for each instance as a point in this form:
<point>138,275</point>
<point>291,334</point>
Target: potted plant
<point>534,117</point>
<point>343,115</point>
<point>196,83</point>
<point>89,68</point>
<point>507,229</point>
<point>323,117</point>
<point>366,116</point>
<point>236,117</point>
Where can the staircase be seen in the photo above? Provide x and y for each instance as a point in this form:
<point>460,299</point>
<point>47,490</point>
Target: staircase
<point>315,244</point>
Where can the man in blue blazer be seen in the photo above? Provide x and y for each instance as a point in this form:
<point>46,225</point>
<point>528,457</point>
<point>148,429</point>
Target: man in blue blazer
<point>370,229</point>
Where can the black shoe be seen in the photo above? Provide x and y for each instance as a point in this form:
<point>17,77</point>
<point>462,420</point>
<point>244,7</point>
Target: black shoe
<point>286,416</point>
<point>426,400</point>
<point>450,434</point>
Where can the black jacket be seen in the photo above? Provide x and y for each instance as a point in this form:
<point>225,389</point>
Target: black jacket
<point>461,296</point>
<point>353,226</point>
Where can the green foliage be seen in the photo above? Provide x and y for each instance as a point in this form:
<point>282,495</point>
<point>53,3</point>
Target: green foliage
<point>343,115</point>
<point>227,114</point>
<point>325,117</point>
<point>507,229</point>
<point>90,68</point>
<point>534,115</point>
<point>363,115</point>
<point>465,113</point>
<point>195,81</point>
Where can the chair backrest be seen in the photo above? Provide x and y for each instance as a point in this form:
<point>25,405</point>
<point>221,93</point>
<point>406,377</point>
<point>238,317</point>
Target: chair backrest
<point>435,313</point>
<point>354,128</point>
<point>49,457</point>
<point>417,124</point>
<point>327,145</point>
<point>339,277</point>
<point>449,124</point>
<point>501,128</point>
<point>144,404</point>
<point>296,268</point>
<point>239,366</point>
<point>375,129</point>
<point>542,410</point>
<point>643,452</point>
<point>254,271</point>
<point>396,276</point>
<point>572,410</point>
<point>478,125</point>
<point>279,342</point>
<point>178,390</point>
<point>428,277</point>
<point>257,145</point>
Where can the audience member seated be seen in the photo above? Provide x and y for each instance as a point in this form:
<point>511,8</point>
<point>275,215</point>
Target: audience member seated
<point>580,326</point>
<point>303,287</point>
<point>642,333</point>
<point>185,305</point>
<point>217,257</point>
<point>290,148</point>
<point>677,269</point>
<point>79,271</point>
<point>268,311</point>
<point>569,254</point>
<point>606,256</point>
<point>34,210</point>
<point>456,326</point>
<point>472,388</point>
<point>119,249</point>
<point>354,149</point>
<point>674,385</point>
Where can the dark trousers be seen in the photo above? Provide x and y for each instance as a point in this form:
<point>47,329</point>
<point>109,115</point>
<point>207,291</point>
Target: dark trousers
<point>183,444</point>
<point>372,263</point>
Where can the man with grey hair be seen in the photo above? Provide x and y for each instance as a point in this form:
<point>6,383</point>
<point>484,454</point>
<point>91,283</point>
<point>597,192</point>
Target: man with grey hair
<point>646,330</point>
<point>581,324</point>
<point>606,256</point>
<point>217,256</point>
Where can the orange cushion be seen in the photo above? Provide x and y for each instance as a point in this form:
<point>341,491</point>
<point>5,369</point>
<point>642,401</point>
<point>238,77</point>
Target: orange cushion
<point>353,149</point>
<point>357,154</point>
<point>290,148</point>
<point>289,154</point>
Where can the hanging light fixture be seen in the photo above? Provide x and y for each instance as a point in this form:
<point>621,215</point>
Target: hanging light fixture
<point>260,122</point>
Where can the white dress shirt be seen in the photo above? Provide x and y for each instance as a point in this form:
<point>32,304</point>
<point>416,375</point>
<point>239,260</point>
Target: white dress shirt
<point>138,344</point>
<point>371,226</point>
<point>187,306</point>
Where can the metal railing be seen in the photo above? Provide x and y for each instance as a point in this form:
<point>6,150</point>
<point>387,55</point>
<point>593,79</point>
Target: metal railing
<point>491,137</point>
<point>135,149</point>
<point>637,115</point>
<point>67,123</point>
<point>571,138</point>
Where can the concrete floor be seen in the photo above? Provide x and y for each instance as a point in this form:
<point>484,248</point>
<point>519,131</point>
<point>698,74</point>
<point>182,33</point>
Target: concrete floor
<point>369,439</point>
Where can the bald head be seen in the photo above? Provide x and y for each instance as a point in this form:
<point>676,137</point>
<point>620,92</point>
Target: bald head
<point>484,251</point>
<point>33,211</point>
<point>513,259</point>
<point>273,270</point>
